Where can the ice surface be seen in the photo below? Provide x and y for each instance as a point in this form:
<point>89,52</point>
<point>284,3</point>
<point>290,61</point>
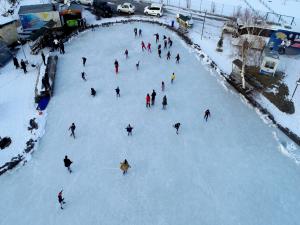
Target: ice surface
<point>229,170</point>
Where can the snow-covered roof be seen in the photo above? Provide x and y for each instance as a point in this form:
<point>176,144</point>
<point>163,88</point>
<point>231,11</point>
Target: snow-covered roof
<point>36,8</point>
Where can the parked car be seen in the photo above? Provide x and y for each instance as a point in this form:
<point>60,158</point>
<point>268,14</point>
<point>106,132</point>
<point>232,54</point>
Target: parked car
<point>185,21</point>
<point>126,8</point>
<point>102,9</point>
<point>154,10</point>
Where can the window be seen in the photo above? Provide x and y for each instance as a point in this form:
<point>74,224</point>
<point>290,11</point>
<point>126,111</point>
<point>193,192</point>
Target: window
<point>270,65</point>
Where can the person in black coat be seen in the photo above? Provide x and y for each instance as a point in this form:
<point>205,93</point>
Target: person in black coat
<point>16,63</point>
<point>23,66</point>
<point>164,102</point>
<point>93,92</point>
<point>153,97</point>
<point>83,76</point>
<point>135,31</point>
<point>83,61</point>
<point>68,163</point>
<point>118,91</point>
<point>206,114</point>
<point>168,55</point>
<point>72,128</point>
<point>176,126</point>
<point>129,130</point>
<point>156,37</point>
<point>177,58</point>
<point>61,47</point>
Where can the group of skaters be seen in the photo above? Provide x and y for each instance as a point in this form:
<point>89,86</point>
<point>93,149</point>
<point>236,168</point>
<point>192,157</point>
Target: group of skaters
<point>150,99</point>
<point>21,65</point>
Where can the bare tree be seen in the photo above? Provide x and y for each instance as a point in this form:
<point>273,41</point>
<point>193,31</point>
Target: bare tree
<point>250,40</point>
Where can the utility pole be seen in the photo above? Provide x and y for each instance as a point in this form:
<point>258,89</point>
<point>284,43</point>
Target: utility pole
<point>297,83</point>
<point>203,24</point>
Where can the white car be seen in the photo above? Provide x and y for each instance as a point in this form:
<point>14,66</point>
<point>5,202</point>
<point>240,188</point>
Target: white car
<point>85,2</point>
<point>126,8</point>
<point>154,9</point>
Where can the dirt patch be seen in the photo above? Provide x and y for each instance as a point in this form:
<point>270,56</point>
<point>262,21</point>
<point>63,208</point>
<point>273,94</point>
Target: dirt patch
<point>272,87</point>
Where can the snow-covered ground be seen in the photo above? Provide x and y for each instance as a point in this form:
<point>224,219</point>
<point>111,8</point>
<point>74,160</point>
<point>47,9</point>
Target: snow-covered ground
<point>229,170</point>
<point>17,105</point>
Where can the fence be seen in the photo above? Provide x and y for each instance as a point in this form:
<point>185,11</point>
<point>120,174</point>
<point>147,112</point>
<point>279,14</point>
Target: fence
<point>203,5</point>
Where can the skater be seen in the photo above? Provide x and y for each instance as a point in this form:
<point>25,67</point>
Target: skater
<point>118,92</point>
<point>44,58</point>
<point>140,32</point>
<point>135,32</point>
<point>165,38</point>
<point>116,66</point>
<point>168,55</point>
<point>93,92</point>
<point>206,114</point>
<point>159,46</point>
<point>162,86</point>
<point>61,200</point>
<point>126,53</point>
<point>164,102</point>
<point>177,58</point>
<point>173,78</point>
<point>23,66</point>
<point>83,76</point>
<point>61,47</point>
<point>33,125</point>
<point>176,126</point>
<point>124,166</point>
<point>16,63</point>
<point>137,65</point>
<point>148,101</point>
<point>93,27</point>
<point>68,163</point>
<point>83,61</point>
<point>72,128</point>
<point>170,43</point>
<point>159,53</point>
<point>129,130</point>
<point>156,37</point>
<point>149,47</point>
<point>143,46</point>
<point>165,43</point>
<point>153,97</point>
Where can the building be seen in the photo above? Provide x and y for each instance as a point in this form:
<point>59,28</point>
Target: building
<point>34,17</point>
<point>8,32</point>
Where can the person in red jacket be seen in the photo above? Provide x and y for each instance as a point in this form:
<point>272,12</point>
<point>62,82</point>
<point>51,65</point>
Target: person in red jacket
<point>116,66</point>
<point>143,46</point>
<point>149,47</point>
<point>148,101</point>
<point>61,199</point>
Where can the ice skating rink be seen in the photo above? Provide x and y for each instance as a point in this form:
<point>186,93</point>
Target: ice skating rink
<point>225,171</point>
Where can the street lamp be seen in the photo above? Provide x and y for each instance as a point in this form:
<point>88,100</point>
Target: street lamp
<point>297,83</point>
<point>22,49</point>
